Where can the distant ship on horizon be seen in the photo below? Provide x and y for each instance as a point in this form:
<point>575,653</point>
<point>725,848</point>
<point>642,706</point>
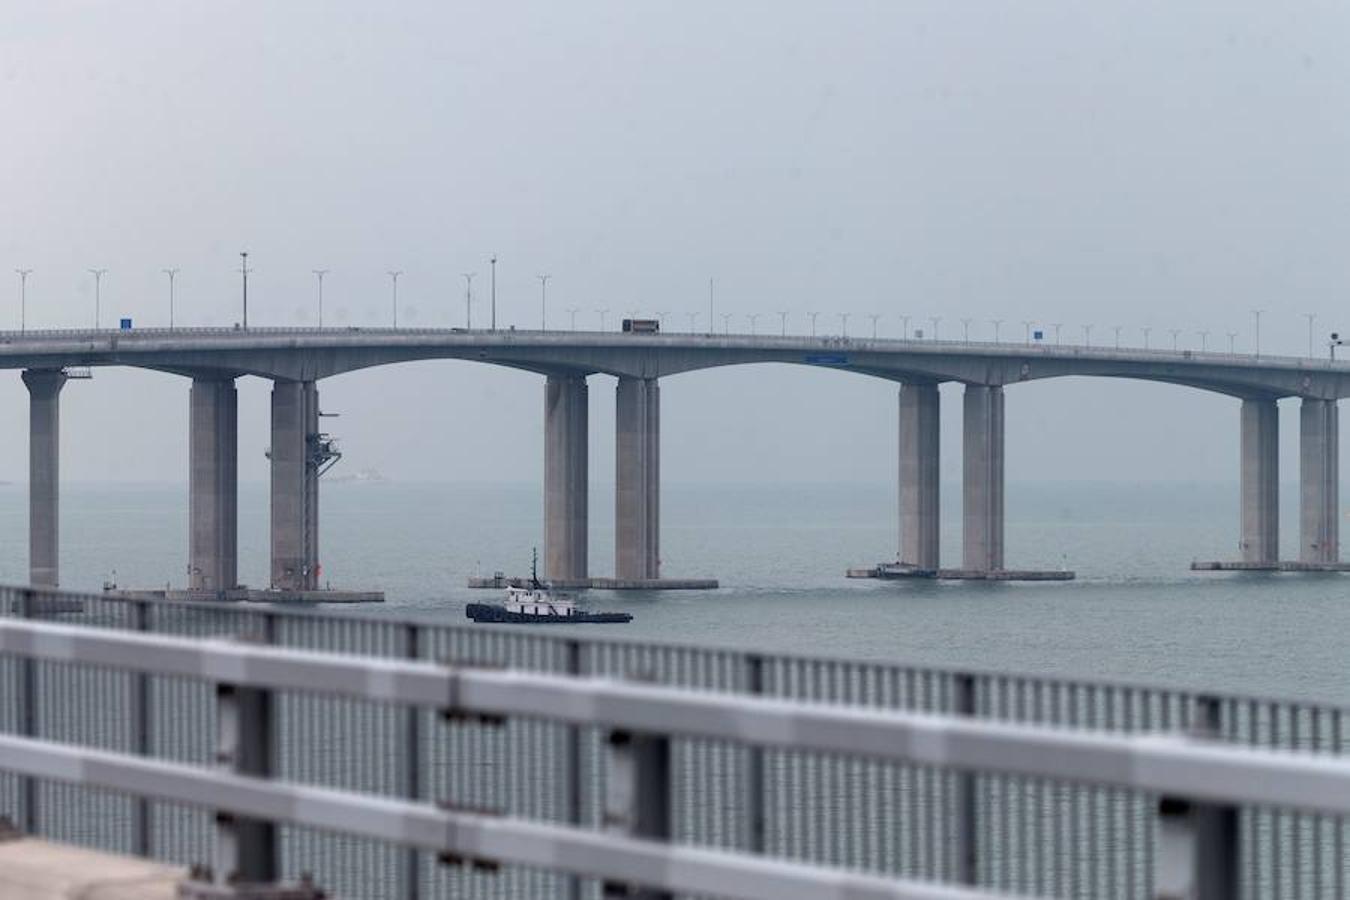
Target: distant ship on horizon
<point>359,477</point>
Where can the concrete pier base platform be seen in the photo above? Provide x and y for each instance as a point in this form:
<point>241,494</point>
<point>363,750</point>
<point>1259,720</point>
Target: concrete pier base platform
<point>599,584</point>
<point>1288,565</point>
<point>895,571</point>
<point>296,596</point>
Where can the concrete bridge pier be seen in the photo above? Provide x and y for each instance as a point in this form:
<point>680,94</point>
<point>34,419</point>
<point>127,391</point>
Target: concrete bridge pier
<point>637,546</point>
<point>1260,475</point>
<point>1319,481</point>
<point>920,520</point>
<point>982,478</point>
<point>295,485</point>
<point>213,484</point>
<point>566,477</point>
<point>44,470</point>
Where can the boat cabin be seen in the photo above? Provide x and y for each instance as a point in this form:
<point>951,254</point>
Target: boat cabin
<point>537,602</point>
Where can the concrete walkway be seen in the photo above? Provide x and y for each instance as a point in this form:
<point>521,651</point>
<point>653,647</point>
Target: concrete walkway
<point>32,869</point>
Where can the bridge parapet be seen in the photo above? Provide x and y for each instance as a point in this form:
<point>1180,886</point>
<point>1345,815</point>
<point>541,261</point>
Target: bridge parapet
<point>860,768</point>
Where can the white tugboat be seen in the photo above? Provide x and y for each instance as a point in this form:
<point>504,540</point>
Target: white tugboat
<point>537,605</point>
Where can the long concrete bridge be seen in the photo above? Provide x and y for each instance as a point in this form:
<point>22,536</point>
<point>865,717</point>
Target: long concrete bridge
<point>297,359</point>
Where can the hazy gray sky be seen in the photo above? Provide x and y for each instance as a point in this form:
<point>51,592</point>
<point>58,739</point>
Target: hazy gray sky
<point>1142,164</point>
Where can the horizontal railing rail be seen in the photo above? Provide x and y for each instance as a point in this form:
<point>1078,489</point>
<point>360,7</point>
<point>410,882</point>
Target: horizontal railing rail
<point>482,840</point>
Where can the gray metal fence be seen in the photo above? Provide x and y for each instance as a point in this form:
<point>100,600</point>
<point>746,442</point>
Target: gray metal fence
<point>1035,835</point>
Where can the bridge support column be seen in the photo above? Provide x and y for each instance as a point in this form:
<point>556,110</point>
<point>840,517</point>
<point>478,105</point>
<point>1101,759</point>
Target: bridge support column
<point>919,444</point>
<point>637,552</point>
<point>213,485</point>
<point>1319,481</point>
<point>44,470</point>
<point>295,485</point>
<point>1260,466</point>
<point>982,478</point>
<point>566,471</point>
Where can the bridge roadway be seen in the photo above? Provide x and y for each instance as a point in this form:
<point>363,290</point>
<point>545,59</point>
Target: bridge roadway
<point>297,359</point>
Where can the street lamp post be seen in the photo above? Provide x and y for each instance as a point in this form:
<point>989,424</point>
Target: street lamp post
<point>1204,340</point>
<point>843,324</point>
<point>1116,329</point>
<point>693,321</point>
<point>602,318</point>
<point>23,297</point>
<point>752,317</point>
<point>393,278</point>
<point>468,299</point>
<point>243,272</point>
<point>98,294</point>
<point>936,320</point>
<point>1310,317</point>
<point>1175,332</point>
<point>996,323</point>
<point>1087,335</point>
<point>726,323</point>
<point>782,315</point>
<point>904,327</point>
<point>1057,326</point>
<point>874,317</point>
<point>965,331</point>
<point>1232,339</point>
<point>573,310</point>
<point>1027,325</point>
<point>543,301</point>
<point>494,292</point>
<point>813,322</point>
<point>318,276</point>
<point>712,319</point>
<point>1256,346</point>
<point>171,273</point>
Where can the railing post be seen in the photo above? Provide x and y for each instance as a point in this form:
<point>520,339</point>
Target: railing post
<point>246,849</point>
<point>412,767</point>
<point>754,765</point>
<point>142,824</point>
<point>1197,856</point>
<point>574,784</point>
<point>965,833</point>
<point>637,797</point>
<point>28,717</point>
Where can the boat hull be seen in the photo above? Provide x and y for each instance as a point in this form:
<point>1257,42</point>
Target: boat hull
<point>486,612</point>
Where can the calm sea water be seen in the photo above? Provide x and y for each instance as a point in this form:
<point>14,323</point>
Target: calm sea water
<point>1134,613</point>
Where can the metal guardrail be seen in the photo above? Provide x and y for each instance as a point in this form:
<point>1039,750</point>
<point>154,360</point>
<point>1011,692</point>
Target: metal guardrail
<point>1201,781</point>
<point>1149,763</point>
<point>483,841</point>
<point>1037,836</point>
